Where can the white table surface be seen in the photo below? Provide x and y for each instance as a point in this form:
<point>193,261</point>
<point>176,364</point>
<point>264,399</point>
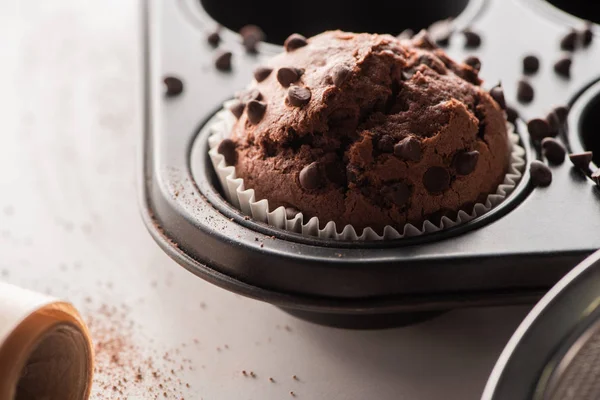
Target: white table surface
<point>70,226</point>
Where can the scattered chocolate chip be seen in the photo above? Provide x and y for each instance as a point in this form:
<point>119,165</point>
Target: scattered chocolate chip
<point>294,41</point>
<point>247,96</point>
<point>538,129</point>
<point>563,67</point>
<point>531,64</point>
<point>587,35</point>
<point>436,180</point>
<point>497,94</point>
<point>237,109</point>
<point>408,149</point>
<point>596,177</point>
<point>582,160</point>
<point>223,61</point>
<point>298,96</point>
<point>251,36</point>
<point>541,175</point>
<point>173,86</point>
<point>262,73</point>
<point>512,115</point>
<point>339,74</point>
<point>465,162</point>
<point>473,62</point>
<point>290,213</point>
<point>386,144</point>
<point>397,194</point>
<point>441,31</point>
<point>406,34</point>
<point>553,123</point>
<point>553,150</point>
<point>214,38</point>
<point>255,111</point>
<point>561,112</point>
<point>524,92</point>
<point>472,39</point>
<point>310,177</point>
<point>286,76</point>
<point>569,41</point>
<point>227,149</point>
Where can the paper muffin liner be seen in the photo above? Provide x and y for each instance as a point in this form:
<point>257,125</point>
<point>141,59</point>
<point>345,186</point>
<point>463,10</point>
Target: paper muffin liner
<point>244,199</point>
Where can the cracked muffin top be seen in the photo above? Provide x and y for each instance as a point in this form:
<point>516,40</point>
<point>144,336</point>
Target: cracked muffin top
<point>368,130</point>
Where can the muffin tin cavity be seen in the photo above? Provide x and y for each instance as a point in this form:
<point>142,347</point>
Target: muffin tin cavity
<point>279,19</point>
<point>585,118</point>
<point>584,9</point>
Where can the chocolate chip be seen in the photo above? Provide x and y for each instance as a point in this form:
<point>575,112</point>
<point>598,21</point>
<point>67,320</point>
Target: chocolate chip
<point>247,96</point>
<point>386,144</point>
<point>582,160</point>
<point>397,194</point>
<point>497,94</point>
<point>237,109</point>
<point>531,65</point>
<point>512,115</point>
<point>524,92</point>
<point>286,76</point>
<point>538,129</point>
<point>291,212</point>
<point>473,62</point>
<point>596,177</point>
<point>561,112</point>
<point>563,67</point>
<point>223,61</point>
<point>339,74</point>
<point>406,34</point>
<point>408,149</point>
<point>310,177</point>
<point>472,39</point>
<point>173,86</point>
<point>441,31</point>
<point>262,73</point>
<point>540,174</point>
<point>569,41</point>
<point>553,150</point>
<point>587,35</point>
<point>251,36</point>
<point>255,111</point>
<point>227,149</point>
<point>298,96</point>
<point>554,124</point>
<point>436,180</point>
<point>465,162</point>
<point>214,38</point>
<point>294,41</point>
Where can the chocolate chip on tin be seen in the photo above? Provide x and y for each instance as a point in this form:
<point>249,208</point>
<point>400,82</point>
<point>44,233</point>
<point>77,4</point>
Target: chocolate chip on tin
<point>465,162</point>
<point>310,177</point>
<point>497,94</point>
<point>554,124</point>
<point>561,112</point>
<point>339,74</point>
<point>223,61</point>
<point>582,160</point>
<point>531,64</point>
<point>237,109</point>
<point>386,144</point>
<point>538,129</point>
<point>291,212</point>
<point>562,67</point>
<point>298,96</point>
<point>214,38</point>
<point>227,149</point>
<point>248,95</point>
<point>294,41</point>
<point>569,41</point>
<point>262,73</point>
<point>397,193</point>
<point>286,76</point>
<point>173,86</point>
<point>252,35</point>
<point>587,35</point>
<point>472,39</point>
<point>408,149</point>
<point>436,180</point>
<point>541,175</point>
<point>596,177</point>
<point>512,115</point>
<point>473,62</point>
<point>553,150</point>
<point>441,31</point>
<point>524,92</point>
<point>406,34</point>
<point>255,110</point>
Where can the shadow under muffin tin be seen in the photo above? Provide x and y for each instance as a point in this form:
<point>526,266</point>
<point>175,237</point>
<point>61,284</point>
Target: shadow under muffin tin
<point>510,255</point>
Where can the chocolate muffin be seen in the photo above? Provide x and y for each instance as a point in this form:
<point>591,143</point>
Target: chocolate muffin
<point>369,130</point>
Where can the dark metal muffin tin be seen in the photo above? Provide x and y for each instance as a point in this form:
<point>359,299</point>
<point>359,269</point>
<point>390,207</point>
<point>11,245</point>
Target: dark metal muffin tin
<point>510,255</point>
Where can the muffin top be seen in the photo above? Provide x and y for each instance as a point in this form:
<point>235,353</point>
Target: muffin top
<point>368,130</point>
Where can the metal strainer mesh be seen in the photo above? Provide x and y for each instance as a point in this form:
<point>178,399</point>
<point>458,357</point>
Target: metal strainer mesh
<point>577,376</point>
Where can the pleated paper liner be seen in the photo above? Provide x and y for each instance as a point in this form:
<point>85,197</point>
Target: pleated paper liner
<point>245,200</point>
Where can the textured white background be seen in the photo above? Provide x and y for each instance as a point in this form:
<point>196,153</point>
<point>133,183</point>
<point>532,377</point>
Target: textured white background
<point>70,119</point>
